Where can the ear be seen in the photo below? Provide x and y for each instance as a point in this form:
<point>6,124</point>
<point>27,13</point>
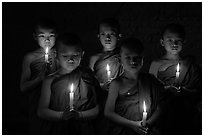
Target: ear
<point>82,54</point>
<point>119,36</point>
<point>98,36</point>
<point>142,61</point>
<point>162,42</point>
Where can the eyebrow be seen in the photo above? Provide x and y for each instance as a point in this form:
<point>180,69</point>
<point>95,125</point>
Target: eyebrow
<point>40,32</point>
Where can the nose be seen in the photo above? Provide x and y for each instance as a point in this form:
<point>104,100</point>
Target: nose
<point>47,39</point>
<point>175,43</point>
<point>132,61</point>
<point>70,59</point>
<point>108,36</point>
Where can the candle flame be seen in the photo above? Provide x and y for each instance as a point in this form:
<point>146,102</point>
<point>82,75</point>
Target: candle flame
<point>46,50</point>
<point>178,68</point>
<point>107,67</point>
<point>144,106</point>
<point>72,87</point>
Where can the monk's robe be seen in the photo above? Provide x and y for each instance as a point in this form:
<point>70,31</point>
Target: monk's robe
<point>85,98</point>
<point>182,105</point>
<point>37,67</point>
<point>130,104</point>
<point>111,58</point>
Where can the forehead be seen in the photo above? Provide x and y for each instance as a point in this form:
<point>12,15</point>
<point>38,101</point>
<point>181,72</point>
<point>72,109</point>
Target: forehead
<point>106,28</point>
<point>68,49</point>
<point>169,34</point>
<point>45,30</point>
<point>128,52</point>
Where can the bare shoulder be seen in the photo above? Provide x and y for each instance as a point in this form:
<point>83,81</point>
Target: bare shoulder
<point>116,83</point>
<point>50,78</point>
<point>29,57</point>
<point>95,57</point>
<point>93,60</point>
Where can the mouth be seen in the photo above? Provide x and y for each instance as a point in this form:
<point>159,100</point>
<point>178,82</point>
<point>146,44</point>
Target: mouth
<point>134,66</point>
<point>174,49</point>
<point>107,42</point>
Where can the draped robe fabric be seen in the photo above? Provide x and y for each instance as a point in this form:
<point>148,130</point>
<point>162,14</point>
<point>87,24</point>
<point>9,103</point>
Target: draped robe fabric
<point>85,98</point>
<point>38,66</point>
<point>111,58</point>
<point>130,103</point>
<point>182,106</point>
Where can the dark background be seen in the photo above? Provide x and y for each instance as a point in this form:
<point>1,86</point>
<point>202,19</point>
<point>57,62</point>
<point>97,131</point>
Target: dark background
<point>142,20</point>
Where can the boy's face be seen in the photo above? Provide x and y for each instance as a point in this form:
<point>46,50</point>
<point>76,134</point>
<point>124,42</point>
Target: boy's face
<point>172,42</point>
<point>45,37</point>
<point>131,61</point>
<point>69,57</point>
<point>108,37</point>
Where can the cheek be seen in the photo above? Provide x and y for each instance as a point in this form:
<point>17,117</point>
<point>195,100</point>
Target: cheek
<point>114,39</point>
<point>124,61</point>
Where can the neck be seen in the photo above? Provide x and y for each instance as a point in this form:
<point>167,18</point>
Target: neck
<point>105,50</point>
<point>131,75</point>
<point>172,56</point>
<point>64,71</point>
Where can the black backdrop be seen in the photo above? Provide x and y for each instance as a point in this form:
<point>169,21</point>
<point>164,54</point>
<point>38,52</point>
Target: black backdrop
<point>142,20</point>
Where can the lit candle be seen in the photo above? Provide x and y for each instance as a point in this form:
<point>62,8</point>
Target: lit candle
<point>177,73</point>
<point>108,71</point>
<point>144,118</point>
<point>46,55</point>
<point>71,97</point>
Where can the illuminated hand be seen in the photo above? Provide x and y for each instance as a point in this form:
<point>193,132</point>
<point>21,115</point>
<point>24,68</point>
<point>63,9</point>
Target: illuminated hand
<point>50,60</point>
<point>105,86</point>
<point>67,114</point>
<point>173,89</point>
<point>138,128</point>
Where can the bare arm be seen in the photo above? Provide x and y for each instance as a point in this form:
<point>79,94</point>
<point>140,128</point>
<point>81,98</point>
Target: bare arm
<point>110,107</point>
<point>26,84</point>
<point>92,61</point>
<point>43,108</point>
<point>153,119</point>
<point>153,68</point>
<point>90,114</point>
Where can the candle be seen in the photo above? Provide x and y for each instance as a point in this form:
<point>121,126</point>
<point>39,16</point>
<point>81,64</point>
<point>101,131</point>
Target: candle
<point>108,71</point>
<point>144,118</point>
<point>71,97</point>
<point>46,55</point>
<point>177,73</point>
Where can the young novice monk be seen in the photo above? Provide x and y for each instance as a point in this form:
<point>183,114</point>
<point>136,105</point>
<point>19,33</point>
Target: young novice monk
<point>129,92</point>
<point>106,64</point>
<point>109,34</point>
<point>36,66</point>
<point>181,78</point>
<point>69,97</point>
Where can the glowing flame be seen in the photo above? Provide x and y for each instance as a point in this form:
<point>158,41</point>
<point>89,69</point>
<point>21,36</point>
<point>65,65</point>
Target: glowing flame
<point>177,68</point>
<point>72,87</point>
<point>46,50</point>
<point>107,67</point>
<point>144,106</point>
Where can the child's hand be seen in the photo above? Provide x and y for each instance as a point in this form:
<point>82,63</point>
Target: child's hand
<point>138,128</point>
<point>173,89</point>
<point>50,61</point>
<point>42,74</point>
<point>67,115</point>
<point>106,86</point>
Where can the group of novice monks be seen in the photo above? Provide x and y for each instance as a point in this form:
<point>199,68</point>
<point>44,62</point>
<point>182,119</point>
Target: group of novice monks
<point>110,95</point>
